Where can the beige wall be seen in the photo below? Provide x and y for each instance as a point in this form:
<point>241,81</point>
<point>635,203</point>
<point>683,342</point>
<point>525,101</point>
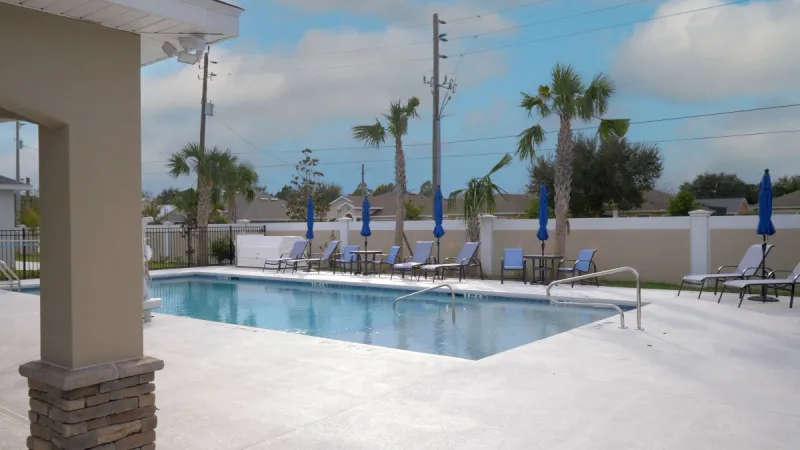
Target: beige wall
<point>658,255</point>
<point>728,247</point>
<point>450,244</point>
<point>81,83</point>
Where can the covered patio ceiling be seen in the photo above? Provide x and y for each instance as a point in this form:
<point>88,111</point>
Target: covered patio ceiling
<point>157,21</point>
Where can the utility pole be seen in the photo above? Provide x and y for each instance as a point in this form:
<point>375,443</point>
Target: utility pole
<point>17,198</point>
<point>363,184</point>
<point>203,102</point>
<point>437,164</point>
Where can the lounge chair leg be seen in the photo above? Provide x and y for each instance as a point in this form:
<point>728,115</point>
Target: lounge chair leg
<point>720,294</point>
<point>741,298</point>
<point>791,297</point>
<point>702,285</point>
<point>680,288</point>
<point>716,286</point>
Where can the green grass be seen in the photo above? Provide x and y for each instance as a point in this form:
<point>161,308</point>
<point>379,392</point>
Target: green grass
<point>647,285</point>
<point>29,257</point>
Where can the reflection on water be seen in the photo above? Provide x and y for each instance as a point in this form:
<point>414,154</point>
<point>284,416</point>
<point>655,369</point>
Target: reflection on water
<point>482,328</point>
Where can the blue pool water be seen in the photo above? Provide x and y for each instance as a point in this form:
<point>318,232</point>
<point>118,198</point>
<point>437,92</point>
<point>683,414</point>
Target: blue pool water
<point>483,327</point>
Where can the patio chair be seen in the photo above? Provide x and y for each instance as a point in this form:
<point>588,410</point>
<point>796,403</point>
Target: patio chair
<point>347,258</point>
<point>327,255</point>
<point>747,267</point>
<point>583,264</point>
<point>420,257</point>
<point>787,284</point>
<point>513,259</point>
<point>298,251</point>
<point>466,258</point>
<point>389,260</point>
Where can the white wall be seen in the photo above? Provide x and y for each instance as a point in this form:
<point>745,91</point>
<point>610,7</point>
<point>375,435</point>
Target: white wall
<point>6,210</point>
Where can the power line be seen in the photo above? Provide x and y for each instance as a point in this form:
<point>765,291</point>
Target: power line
<point>609,27</point>
<point>554,19</point>
<point>516,44</point>
<point>499,11</point>
<point>509,136</point>
<point>548,150</point>
<point>250,143</point>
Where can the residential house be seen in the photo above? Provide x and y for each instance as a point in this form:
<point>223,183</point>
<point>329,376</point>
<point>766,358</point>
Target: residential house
<point>786,204</point>
<point>382,207</point>
<point>265,208</point>
<point>725,206</point>
<point>8,189</point>
<point>656,203</point>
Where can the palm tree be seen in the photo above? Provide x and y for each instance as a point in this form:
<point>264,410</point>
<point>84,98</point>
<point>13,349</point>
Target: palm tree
<point>374,135</point>
<point>568,99</point>
<point>239,179</point>
<point>210,165</point>
<point>478,198</point>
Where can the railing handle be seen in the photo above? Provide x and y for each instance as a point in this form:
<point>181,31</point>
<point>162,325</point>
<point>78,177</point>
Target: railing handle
<point>452,295</point>
<point>604,305</point>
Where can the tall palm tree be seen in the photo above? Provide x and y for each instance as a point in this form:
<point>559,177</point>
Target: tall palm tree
<point>478,198</point>
<point>567,98</point>
<point>374,135</point>
<point>239,179</point>
<point>209,165</point>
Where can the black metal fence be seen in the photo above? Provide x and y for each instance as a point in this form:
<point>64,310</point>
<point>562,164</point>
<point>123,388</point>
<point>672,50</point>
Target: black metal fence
<point>172,247</point>
<point>176,247</point>
<point>19,249</point>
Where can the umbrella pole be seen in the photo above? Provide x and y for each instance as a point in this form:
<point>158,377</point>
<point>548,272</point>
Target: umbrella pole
<point>542,248</point>
<point>438,256</point>
<point>764,267</point>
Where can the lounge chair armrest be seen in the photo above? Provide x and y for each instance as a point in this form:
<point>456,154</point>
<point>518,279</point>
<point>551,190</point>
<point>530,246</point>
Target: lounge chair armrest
<point>771,273</point>
<point>747,273</point>
<point>284,254</point>
<point>725,267</point>
<point>405,260</point>
<point>452,257</point>
<point>567,260</point>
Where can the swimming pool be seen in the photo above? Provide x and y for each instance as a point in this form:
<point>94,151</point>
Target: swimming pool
<point>483,327</point>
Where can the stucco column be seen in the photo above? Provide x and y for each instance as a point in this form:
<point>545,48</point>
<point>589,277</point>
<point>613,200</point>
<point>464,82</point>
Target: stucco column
<point>487,243</point>
<point>699,241</point>
<point>80,83</point>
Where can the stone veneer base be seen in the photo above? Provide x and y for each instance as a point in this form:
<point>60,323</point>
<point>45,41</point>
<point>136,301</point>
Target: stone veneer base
<point>104,407</point>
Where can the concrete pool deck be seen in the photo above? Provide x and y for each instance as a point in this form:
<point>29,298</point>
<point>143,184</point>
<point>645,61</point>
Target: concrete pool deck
<point>701,375</point>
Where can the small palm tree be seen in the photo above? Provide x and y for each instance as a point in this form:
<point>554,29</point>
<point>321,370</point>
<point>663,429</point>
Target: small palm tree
<point>209,165</point>
<point>568,99</point>
<point>478,198</point>
<point>374,135</point>
<point>239,179</point>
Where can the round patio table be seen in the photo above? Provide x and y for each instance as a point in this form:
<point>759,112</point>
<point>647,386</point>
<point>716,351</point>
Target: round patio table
<point>544,264</point>
<point>361,257</point>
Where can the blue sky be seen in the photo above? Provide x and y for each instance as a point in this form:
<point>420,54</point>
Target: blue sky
<point>274,91</point>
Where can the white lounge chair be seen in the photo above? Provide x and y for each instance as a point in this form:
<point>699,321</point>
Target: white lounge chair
<point>465,258</point>
<point>749,266</point>
<point>789,283</point>
<point>421,256</point>
<point>298,251</point>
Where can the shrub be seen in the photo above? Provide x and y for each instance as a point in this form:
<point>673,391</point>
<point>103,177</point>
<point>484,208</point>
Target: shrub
<point>223,250</point>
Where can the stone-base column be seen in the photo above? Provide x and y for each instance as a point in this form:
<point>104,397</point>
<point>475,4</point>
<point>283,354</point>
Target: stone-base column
<point>103,407</point>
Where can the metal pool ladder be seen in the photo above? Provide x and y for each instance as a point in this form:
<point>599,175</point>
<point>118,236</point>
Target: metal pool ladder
<point>452,294</point>
<point>603,305</point>
<point>10,275</point>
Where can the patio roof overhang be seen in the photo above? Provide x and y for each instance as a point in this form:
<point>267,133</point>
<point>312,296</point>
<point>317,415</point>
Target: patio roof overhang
<point>157,21</point>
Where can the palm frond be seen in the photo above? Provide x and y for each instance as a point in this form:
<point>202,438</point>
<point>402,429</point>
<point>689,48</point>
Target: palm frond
<point>371,135</point>
<point>531,102</point>
<point>411,107</point>
<point>612,128</point>
<point>528,141</point>
<point>595,100</point>
<point>504,161</point>
<point>178,165</point>
<point>566,88</point>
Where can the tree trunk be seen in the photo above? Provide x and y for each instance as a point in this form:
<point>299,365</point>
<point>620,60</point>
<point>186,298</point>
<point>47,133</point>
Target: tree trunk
<point>399,190</point>
<point>203,214</point>
<point>231,207</point>
<point>473,228</point>
<point>563,183</point>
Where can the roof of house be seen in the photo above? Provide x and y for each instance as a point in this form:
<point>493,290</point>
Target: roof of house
<point>655,200</point>
<point>264,208</point>
<point>12,184</point>
<point>790,200</point>
<point>730,205</point>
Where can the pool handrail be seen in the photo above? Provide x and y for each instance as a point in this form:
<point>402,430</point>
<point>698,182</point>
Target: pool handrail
<point>11,276</point>
<point>452,294</point>
<point>556,301</point>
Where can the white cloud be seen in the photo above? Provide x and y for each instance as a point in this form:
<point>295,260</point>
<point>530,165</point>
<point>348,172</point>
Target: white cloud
<point>745,49</point>
<point>273,97</point>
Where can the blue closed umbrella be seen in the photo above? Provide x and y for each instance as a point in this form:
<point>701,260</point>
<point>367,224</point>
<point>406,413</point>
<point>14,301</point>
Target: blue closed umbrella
<point>765,227</point>
<point>365,231</point>
<point>438,213</point>
<point>544,212</point>
<point>310,219</point>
